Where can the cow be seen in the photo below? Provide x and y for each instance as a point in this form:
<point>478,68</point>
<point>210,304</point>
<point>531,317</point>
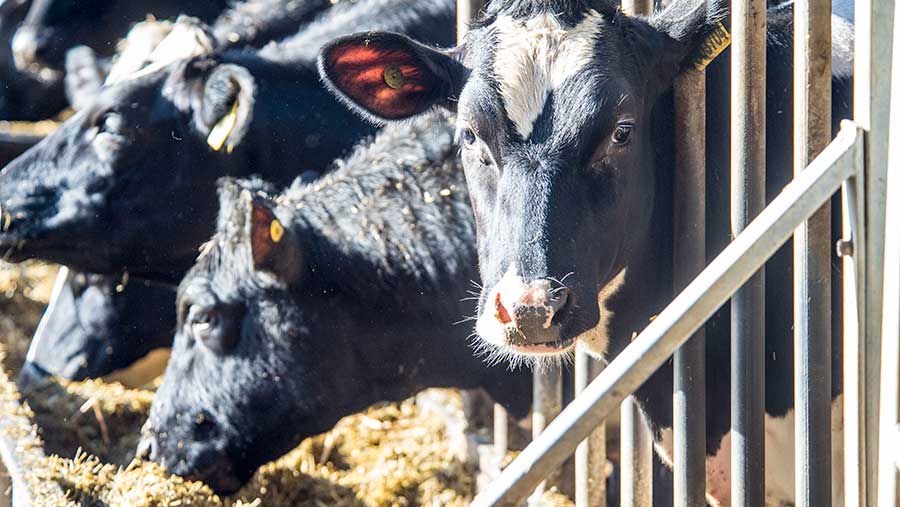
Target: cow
<point>127,184</point>
<point>52,27</point>
<point>565,121</point>
<point>311,305</point>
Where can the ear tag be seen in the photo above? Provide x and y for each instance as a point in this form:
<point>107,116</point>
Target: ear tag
<point>393,76</point>
<point>220,132</point>
<point>276,231</point>
<point>717,42</point>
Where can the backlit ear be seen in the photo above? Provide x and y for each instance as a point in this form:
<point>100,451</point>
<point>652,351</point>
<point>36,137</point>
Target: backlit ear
<point>273,248</point>
<point>387,76</point>
<point>226,108</point>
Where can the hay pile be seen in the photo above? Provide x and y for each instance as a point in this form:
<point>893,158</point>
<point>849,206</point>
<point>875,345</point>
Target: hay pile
<point>24,292</point>
<point>393,455</point>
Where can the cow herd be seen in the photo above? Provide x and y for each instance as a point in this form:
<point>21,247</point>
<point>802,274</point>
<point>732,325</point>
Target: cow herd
<point>232,188</point>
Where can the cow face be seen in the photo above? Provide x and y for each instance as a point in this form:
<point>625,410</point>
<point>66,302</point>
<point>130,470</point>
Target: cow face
<point>248,377</point>
<point>554,102</point>
<point>133,171</point>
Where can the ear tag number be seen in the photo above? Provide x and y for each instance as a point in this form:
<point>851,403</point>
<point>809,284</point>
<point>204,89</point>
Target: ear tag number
<point>220,132</point>
<point>276,231</point>
<point>393,76</point>
<point>717,42</point>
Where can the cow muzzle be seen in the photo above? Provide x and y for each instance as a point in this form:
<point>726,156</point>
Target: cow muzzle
<point>526,316</point>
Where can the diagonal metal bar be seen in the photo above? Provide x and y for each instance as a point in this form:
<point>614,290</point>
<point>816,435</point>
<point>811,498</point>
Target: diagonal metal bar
<point>684,316</point>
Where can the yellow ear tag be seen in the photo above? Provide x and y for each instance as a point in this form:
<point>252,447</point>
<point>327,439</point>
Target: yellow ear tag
<point>220,132</point>
<point>393,76</point>
<point>717,42</point>
<point>276,231</point>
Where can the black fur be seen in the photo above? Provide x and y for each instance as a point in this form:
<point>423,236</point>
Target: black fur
<point>386,242</point>
<point>142,199</point>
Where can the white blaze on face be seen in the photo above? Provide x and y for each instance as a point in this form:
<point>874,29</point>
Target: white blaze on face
<point>534,57</point>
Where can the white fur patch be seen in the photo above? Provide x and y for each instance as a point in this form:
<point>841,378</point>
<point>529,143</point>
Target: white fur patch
<point>184,39</point>
<point>596,340</point>
<point>133,52</point>
<point>779,461</point>
<point>534,57</point>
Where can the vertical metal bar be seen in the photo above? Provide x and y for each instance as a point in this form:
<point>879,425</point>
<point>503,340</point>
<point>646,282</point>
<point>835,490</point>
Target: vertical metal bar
<point>636,454</point>
<point>590,455</point>
<point>689,401</point>
<point>466,10</point>
<point>872,71</point>
<point>812,260</point>
<point>547,405</point>
<point>888,493</point>
<point>501,431</point>
<point>748,195</point>
<point>639,7</point>
<point>853,249</point>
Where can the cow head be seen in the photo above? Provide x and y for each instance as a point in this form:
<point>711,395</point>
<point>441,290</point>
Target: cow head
<point>248,377</point>
<point>128,182</point>
<point>554,102</point>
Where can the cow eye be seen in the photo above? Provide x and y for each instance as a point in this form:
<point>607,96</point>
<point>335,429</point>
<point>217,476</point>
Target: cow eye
<point>468,137</point>
<point>211,327</point>
<point>622,133</point>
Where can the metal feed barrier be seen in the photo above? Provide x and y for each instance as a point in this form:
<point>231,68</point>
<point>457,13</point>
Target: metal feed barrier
<point>855,162</point>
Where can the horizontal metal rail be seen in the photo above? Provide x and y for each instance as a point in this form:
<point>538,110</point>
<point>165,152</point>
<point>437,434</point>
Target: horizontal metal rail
<point>684,316</point>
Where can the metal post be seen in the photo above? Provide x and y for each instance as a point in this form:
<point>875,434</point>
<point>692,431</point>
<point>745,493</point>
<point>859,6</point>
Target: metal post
<point>636,453</point>
<point>637,7</point>
<point>812,260</point>
<point>466,10</point>
<point>689,396</point>
<point>888,492</point>
<point>590,456</point>
<point>748,198</point>
<point>678,321</point>
<point>872,71</point>
<point>547,405</point>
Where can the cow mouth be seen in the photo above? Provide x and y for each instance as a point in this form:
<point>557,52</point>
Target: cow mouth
<point>221,477</point>
<point>545,349</point>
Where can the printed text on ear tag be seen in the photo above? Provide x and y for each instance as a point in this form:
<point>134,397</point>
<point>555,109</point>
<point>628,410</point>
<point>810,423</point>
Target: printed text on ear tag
<point>276,231</point>
<point>393,76</point>
<point>717,42</point>
<point>220,132</point>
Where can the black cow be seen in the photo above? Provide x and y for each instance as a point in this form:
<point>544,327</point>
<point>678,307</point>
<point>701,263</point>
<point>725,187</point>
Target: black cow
<point>565,121</point>
<point>127,184</point>
<point>312,305</point>
<point>256,22</point>
<point>52,27</point>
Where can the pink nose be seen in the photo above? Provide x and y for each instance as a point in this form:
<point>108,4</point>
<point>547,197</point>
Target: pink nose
<point>531,311</point>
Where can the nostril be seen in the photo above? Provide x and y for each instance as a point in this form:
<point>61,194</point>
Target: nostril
<point>5,219</point>
<point>500,311</point>
<point>560,301</point>
<point>147,448</point>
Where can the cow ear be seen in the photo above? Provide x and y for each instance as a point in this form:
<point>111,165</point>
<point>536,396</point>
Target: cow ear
<point>226,108</point>
<point>273,247</point>
<point>694,34</point>
<point>387,76</point>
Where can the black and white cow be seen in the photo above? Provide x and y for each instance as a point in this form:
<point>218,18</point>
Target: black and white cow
<point>566,130</point>
<point>127,184</point>
<point>314,304</point>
